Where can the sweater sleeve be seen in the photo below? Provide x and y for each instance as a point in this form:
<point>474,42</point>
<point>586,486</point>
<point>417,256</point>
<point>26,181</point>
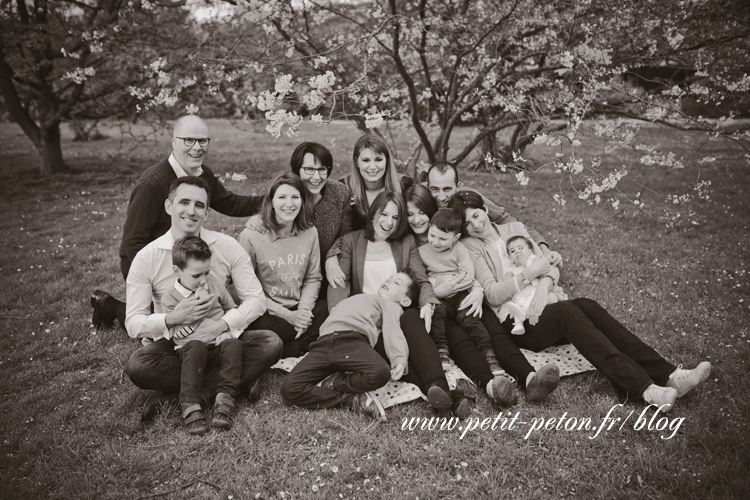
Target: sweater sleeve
<point>497,292</point>
<point>227,202</point>
<point>394,341</point>
<point>145,204</point>
<point>499,216</point>
<point>336,295</point>
<point>312,279</point>
<point>346,223</point>
<point>426,294</point>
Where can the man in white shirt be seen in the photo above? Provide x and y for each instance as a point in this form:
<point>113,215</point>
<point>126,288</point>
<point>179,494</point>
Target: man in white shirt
<point>156,365</point>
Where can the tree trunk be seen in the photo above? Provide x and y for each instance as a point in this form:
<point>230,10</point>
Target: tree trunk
<point>50,148</point>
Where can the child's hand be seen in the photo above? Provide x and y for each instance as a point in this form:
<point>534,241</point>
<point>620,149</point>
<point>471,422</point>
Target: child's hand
<point>397,372</point>
<point>426,314</point>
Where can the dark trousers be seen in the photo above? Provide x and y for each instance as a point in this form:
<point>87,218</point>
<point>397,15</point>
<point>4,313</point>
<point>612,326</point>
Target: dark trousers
<point>157,366</point>
<point>425,369</point>
<point>625,359</point>
<point>198,358</point>
<point>471,360</point>
<point>351,354</point>
<point>448,310</point>
<point>293,347</point>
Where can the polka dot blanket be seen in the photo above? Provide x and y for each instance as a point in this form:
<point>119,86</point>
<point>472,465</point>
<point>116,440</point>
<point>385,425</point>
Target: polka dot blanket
<point>566,357</point>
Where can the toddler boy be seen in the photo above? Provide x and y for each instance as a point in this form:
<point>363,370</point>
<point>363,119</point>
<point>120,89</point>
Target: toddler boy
<point>445,257</point>
<point>198,349</point>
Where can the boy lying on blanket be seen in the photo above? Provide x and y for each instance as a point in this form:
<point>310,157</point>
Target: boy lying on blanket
<point>344,358</point>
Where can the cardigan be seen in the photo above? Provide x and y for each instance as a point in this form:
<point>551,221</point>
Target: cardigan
<point>147,219</point>
<point>352,261</point>
<point>488,267</point>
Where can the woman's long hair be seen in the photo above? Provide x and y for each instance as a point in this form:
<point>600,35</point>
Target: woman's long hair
<point>303,220</point>
<point>463,200</point>
<point>420,196</point>
<point>356,183</point>
<point>378,205</point>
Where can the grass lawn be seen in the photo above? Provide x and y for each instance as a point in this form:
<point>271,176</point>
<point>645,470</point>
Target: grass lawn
<point>70,419</point>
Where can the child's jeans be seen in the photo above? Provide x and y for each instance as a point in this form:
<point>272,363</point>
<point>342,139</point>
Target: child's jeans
<point>198,358</point>
<point>472,324</point>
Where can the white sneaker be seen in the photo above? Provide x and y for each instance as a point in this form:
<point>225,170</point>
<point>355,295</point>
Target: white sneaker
<point>368,403</point>
<point>686,380</point>
<point>662,397</point>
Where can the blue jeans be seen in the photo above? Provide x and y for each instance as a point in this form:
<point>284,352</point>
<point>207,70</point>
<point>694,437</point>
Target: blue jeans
<point>158,367</point>
<point>336,352</point>
<point>198,357</point>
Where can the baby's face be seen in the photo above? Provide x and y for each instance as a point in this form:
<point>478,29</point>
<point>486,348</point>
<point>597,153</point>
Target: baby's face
<point>519,252</point>
<point>195,274</point>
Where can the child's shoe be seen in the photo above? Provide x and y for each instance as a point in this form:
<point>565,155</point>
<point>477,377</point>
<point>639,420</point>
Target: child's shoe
<point>445,358</point>
<point>662,397</point>
<point>223,416</point>
<point>368,403</point>
<point>518,328</point>
<point>542,383</point>
<point>195,422</point>
<point>500,390</point>
<point>464,396</point>
<point>518,315</point>
<point>440,400</point>
<point>685,381</point>
<point>493,363</point>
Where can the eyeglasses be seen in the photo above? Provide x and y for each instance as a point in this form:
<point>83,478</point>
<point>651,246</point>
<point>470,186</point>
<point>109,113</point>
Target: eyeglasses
<point>190,141</point>
<point>322,172</point>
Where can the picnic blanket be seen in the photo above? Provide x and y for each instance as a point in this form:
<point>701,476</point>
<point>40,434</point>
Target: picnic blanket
<point>566,357</point>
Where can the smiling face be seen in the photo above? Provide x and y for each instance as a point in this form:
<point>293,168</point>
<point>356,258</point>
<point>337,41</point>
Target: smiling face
<point>286,204</point>
<point>386,222</point>
<point>396,289</point>
<point>190,158</point>
<point>195,274</point>
<point>371,165</point>
<point>418,220</point>
<point>477,222</point>
<point>442,186</point>
<point>313,183</point>
<point>440,240</point>
<point>188,209</point>
<point>519,252</point>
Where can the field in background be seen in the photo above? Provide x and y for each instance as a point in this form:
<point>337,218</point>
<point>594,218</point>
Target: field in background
<point>70,419</point>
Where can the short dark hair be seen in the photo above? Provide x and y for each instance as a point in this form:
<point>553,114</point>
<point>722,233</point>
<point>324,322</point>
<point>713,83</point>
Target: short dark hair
<point>464,200</point>
<point>190,180</point>
<point>303,220</point>
<point>420,196</point>
<point>190,247</point>
<point>520,237</point>
<point>442,167</point>
<point>320,152</point>
<point>448,220</point>
<point>412,291</point>
<point>378,205</point>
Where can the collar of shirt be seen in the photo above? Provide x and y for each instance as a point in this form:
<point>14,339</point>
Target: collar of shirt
<point>185,292</point>
<point>275,236</point>
<point>178,170</point>
<point>166,242</point>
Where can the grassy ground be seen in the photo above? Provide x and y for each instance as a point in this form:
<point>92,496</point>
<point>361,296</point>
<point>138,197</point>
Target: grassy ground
<point>69,419</point>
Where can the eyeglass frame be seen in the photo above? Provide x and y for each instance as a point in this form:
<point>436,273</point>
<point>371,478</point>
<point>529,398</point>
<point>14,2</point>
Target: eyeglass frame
<point>186,139</point>
<point>322,172</point>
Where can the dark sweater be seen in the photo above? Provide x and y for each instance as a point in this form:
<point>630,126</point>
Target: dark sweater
<point>147,219</point>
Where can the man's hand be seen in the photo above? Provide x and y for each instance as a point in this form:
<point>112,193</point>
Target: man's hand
<point>190,310</point>
<point>255,223</point>
<point>425,312</point>
<point>334,273</point>
<point>539,267</point>
<point>474,302</point>
<point>555,259</point>
<point>452,286</point>
<point>397,372</point>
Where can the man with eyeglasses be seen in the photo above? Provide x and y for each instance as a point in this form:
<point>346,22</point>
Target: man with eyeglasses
<point>147,220</point>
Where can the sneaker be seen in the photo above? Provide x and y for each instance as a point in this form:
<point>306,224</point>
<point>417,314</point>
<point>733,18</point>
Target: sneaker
<point>103,316</point>
<point>445,358</point>
<point>662,397</point>
<point>500,390</point>
<point>518,329</point>
<point>464,396</point>
<point>542,383</point>
<point>223,414</point>
<point>439,398</point>
<point>195,422</point>
<point>685,381</point>
<point>493,363</point>
<point>368,403</point>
